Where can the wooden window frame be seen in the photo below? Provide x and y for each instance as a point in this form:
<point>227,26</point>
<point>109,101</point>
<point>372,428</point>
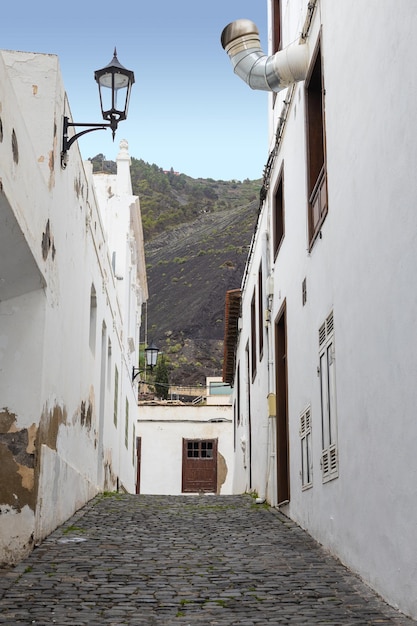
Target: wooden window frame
<point>276,33</point>
<point>127,425</point>
<point>116,395</point>
<point>276,26</point>
<point>316,146</point>
<point>278,213</point>
<point>238,387</point>
<point>93,319</point>
<point>306,449</point>
<point>260,312</point>
<point>329,457</point>
<point>304,291</point>
<point>253,336</point>
<point>200,448</point>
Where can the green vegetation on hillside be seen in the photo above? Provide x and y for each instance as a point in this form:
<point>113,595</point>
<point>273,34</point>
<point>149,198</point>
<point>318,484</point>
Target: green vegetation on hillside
<point>168,199</point>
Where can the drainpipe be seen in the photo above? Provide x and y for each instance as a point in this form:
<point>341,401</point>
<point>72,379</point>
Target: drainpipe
<point>272,409</point>
<point>241,41</point>
<point>266,443</point>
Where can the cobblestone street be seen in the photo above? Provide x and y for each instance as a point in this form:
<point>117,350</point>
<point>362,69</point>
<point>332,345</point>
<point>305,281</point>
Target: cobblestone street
<point>184,560</point>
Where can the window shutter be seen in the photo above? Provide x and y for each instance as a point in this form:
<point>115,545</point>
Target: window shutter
<point>306,452</point>
<point>329,457</point>
<point>322,334</point>
<point>329,324</point>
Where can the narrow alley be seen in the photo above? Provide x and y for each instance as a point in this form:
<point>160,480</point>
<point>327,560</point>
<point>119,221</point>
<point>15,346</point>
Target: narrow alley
<point>184,560</point>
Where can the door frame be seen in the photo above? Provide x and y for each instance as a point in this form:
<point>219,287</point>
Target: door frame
<point>138,462</point>
<point>209,486</point>
<point>282,429</point>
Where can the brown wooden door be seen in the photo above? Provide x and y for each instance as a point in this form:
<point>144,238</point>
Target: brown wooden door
<point>283,477</point>
<point>199,465</point>
<point>138,458</point>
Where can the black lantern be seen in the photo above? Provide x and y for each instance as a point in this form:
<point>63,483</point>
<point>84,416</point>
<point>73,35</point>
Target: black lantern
<point>151,353</point>
<point>114,85</point>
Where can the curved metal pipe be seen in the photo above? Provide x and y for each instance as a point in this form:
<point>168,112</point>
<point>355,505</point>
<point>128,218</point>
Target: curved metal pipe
<point>241,41</point>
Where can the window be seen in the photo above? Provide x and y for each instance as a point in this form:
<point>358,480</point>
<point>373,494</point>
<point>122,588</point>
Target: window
<point>109,365</point>
<point>219,388</point>
<point>236,406</point>
<point>276,26</point>
<point>316,167</point>
<point>304,291</point>
<point>329,459</point>
<point>200,449</point>
<point>253,336</point>
<point>93,318</point>
<point>238,393</point>
<point>116,394</point>
<point>306,456</point>
<point>260,312</point>
<point>127,424</point>
<point>276,31</point>
<point>278,215</point>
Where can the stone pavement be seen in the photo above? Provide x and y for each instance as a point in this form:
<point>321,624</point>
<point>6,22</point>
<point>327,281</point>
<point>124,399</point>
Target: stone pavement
<point>184,560</point>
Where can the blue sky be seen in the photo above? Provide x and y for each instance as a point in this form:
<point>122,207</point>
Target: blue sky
<point>188,110</point>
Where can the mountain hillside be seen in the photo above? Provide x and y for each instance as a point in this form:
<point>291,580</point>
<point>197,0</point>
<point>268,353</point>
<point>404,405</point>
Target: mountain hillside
<point>197,234</point>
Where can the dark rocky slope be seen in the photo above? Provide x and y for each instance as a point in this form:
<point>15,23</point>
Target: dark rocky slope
<point>197,236</point>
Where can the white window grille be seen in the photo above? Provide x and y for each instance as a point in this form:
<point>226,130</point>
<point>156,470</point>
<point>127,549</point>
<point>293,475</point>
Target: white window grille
<point>306,454</point>
<point>329,456</point>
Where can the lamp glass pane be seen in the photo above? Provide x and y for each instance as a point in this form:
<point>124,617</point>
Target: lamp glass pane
<point>120,80</point>
<point>151,356</point>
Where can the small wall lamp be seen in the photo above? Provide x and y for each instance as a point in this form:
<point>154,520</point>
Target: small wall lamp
<point>151,354</point>
<point>114,83</point>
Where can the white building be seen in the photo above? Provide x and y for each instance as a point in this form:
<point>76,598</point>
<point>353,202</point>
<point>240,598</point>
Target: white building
<point>72,282</point>
<point>322,356</point>
<point>185,447</point>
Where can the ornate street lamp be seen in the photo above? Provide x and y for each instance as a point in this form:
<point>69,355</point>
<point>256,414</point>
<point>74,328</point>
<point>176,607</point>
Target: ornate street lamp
<point>151,354</point>
<point>114,86</point>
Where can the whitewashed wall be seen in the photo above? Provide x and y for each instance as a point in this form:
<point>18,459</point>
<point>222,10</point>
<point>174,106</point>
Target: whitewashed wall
<point>57,354</point>
<point>162,428</point>
<point>120,212</point>
<point>362,268</point>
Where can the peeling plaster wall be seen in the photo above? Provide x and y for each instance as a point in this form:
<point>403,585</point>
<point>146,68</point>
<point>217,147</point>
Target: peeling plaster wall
<point>59,441</point>
<point>17,488</point>
<point>20,396</point>
<point>17,462</point>
<point>57,478</point>
<point>16,534</point>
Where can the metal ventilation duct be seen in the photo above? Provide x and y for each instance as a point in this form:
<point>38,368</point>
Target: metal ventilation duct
<point>241,41</point>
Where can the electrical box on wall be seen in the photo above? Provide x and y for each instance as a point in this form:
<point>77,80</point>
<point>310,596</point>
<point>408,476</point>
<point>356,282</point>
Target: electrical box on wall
<point>272,405</point>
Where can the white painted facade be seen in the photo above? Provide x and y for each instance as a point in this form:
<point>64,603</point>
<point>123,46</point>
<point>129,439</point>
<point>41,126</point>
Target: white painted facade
<point>358,274</point>
<point>162,427</point>
<point>68,321</point>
